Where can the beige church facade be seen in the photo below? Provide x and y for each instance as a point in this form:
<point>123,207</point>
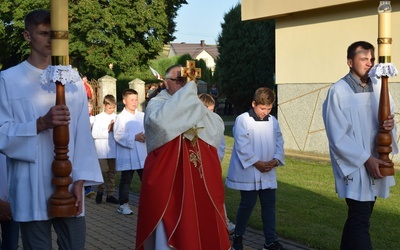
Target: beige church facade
<point>312,37</point>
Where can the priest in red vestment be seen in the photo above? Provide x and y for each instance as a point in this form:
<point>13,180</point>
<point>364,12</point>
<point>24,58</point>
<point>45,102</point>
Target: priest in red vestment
<point>182,194</point>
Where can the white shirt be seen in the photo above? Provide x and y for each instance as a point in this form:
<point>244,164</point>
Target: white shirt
<point>104,140</point>
<point>351,122</point>
<point>131,154</point>
<point>23,99</point>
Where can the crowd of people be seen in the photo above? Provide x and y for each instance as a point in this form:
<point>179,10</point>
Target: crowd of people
<point>176,147</point>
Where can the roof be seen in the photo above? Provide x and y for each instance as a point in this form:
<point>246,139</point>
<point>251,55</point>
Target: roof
<point>194,49</point>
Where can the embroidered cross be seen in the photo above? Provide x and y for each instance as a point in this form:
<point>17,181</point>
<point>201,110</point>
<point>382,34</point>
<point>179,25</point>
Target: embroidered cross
<point>347,179</point>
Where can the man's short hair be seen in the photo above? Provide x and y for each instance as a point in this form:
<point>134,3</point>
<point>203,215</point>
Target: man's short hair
<point>351,50</point>
<point>36,17</point>
<point>168,71</point>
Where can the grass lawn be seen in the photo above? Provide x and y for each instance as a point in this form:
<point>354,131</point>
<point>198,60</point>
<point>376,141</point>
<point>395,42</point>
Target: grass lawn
<point>308,210</point>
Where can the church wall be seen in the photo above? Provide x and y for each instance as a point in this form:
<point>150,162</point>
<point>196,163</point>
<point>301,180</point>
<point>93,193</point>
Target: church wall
<point>311,46</point>
<point>300,116</point>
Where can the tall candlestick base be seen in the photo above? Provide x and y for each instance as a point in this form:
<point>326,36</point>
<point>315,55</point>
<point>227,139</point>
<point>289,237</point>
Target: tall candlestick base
<point>61,202</point>
<point>384,138</point>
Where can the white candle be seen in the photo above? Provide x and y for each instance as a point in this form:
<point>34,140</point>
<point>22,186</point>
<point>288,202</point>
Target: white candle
<point>59,23</point>
<point>384,24</point>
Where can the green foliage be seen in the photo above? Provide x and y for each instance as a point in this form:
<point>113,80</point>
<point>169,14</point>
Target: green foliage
<point>105,37</point>
<point>246,58</point>
<point>14,49</point>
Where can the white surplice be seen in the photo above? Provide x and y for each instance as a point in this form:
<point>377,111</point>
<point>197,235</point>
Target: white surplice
<point>23,99</point>
<point>131,154</point>
<point>254,141</point>
<point>351,122</point>
<point>103,139</point>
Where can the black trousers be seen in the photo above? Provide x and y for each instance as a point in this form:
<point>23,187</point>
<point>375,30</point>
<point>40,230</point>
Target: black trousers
<point>355,234</point>
<point>125,184</point>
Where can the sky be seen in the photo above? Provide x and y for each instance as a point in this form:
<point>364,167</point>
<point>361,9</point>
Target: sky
<point>201,20</point>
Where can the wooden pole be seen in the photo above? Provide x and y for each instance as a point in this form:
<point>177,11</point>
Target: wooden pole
<point>384,138</point>
<point>61,202</point>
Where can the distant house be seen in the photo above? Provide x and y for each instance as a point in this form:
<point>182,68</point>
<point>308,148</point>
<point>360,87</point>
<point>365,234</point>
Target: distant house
<point>208,53</point>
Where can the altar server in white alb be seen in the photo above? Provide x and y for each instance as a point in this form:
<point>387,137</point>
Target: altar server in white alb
<point>257,151</point>
<point>131,146</point>
<point>27,117</point>
<point>102,132</point>
<point>350,114</point>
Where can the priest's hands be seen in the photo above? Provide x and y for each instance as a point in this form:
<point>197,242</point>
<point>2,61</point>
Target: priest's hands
<point>372,166</point>
<point>389,123</point>
<point>56,116</point>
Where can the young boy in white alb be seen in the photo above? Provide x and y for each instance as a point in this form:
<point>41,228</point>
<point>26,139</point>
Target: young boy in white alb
<point>102,132</point>
<point>131,146</point>
<point>257,151</point>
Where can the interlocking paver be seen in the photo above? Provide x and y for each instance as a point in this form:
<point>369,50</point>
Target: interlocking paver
<point>107,229</point>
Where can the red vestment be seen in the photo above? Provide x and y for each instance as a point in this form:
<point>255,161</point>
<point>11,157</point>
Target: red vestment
<point>182,186</point>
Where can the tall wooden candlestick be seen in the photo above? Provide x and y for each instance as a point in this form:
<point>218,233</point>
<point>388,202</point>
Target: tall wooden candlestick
<point>384,138</point>
<point>61,202</point>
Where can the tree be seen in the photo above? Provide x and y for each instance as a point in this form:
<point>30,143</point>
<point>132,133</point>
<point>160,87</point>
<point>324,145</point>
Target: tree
<point>246,58</point>
<point>105,36</point>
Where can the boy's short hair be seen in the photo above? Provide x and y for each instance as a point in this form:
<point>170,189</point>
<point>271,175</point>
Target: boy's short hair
<point>109,100</point>
<point>264,96</point>
<point>36,17</point>
<point>127,92</point>
<point>207,99</point>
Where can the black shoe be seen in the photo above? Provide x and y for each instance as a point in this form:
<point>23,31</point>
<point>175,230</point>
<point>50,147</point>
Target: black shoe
<point>99,197</point>
<point>112,199</point>
<point>273,246</point>
<point>237,242</point>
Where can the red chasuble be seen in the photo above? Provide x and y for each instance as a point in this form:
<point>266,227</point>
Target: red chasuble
<point>182,186</point>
